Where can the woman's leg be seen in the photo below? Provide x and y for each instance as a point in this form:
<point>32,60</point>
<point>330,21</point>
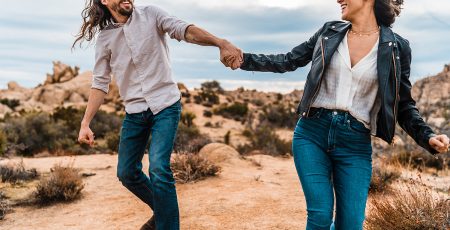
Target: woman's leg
<point>314,169</point>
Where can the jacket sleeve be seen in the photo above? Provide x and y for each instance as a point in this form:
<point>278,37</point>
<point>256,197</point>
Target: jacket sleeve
<point>281,63</point>
<point>408,115</point>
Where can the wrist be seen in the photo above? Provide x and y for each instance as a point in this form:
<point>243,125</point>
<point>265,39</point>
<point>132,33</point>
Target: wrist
<point>222,43</point>
<point>85,124</point>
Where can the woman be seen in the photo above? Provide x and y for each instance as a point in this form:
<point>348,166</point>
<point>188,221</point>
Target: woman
<point>358,86</point>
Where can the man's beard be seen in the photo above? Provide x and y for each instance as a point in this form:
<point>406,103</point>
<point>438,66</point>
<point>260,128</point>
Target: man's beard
<point>123,11</point>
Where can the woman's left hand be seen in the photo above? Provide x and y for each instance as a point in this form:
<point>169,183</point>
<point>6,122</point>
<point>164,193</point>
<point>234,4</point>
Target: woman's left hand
<point>440,143</point>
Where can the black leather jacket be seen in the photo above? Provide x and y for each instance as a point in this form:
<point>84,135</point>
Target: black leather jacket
<point>393,65</point>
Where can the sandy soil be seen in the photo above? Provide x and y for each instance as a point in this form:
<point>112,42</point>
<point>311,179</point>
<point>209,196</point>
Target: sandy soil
<point>244,196</point>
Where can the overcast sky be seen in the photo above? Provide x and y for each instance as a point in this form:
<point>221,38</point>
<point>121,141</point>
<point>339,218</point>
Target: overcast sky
<point>34,33</point>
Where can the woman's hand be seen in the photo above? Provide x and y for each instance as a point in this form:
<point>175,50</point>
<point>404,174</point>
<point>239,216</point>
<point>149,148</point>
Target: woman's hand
<point>440,143</point>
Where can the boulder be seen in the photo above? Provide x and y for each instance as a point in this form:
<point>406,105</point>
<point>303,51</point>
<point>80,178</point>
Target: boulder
<point>218,153</point>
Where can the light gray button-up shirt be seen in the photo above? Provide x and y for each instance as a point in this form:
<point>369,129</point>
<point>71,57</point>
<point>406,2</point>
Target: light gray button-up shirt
<point>136,53</point>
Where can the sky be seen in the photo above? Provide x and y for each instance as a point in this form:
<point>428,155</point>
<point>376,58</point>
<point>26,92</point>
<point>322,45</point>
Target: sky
<point>35,33</point>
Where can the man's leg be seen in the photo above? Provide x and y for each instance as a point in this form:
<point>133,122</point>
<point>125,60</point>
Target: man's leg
<point>133,140</point>
<point>164,128</point>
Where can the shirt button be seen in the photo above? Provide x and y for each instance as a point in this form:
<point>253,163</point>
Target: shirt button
<point>333,27</point>
<point>304,114</point>
<point>335,113</point>
<point>326,38</point>
<point>390,43</point>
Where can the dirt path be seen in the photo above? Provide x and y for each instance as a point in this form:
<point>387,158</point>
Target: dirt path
<point>242,197</point>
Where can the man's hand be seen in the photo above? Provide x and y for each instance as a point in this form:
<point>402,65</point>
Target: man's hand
<point>230,55</point>
<point>440,143</point>
<point>86,135</point>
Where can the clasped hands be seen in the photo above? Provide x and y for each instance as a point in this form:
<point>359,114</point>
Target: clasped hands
<point>230,55</point>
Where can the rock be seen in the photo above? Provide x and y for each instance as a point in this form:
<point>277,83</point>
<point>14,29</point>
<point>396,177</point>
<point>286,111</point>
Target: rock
<point>14,86</point>
<point>76,98</point>
<point>218,153</point>
<point>4,110</point>
<point>61,73</point>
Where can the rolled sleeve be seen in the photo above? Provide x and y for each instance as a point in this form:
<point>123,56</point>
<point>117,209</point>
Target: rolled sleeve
<point>102,71</point>
<point>174,27</point>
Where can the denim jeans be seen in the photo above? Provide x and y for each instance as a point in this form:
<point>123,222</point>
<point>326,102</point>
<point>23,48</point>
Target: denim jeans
<point>157,190</point>
<point>332,150</point>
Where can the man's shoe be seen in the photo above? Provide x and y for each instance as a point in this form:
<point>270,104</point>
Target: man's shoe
<point>150,225</point>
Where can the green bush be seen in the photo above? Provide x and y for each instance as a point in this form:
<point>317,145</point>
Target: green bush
<point>3,143</point>
<point>279,116</point>
<point>11,103</point>
<point>187,118</point>
<point>207,113</point>
<point>212,86</point>
<point>237,111</point>
<point>189,139</point>
<point>266,140</point>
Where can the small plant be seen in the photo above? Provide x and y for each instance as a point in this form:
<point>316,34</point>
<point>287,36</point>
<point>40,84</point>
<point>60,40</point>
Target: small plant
<point>237,111</point>
<point>207,113</point>
<point>212,86</point>
<point>226,138</point>
<point>4,206</point>
<point>64,184</point>
<point>382,178</point>
<point>189,139</point>
<point>187,118</point>
<point>3,143</point>
<point>17,172</point>
<point>208,124</point>
<point>415,209</point>
<point>265,139</point>
<point>188,167</point>
<point>112,141</point>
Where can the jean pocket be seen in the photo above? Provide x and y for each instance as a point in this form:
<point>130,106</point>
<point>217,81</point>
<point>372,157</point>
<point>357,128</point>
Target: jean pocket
<point>357,126</point>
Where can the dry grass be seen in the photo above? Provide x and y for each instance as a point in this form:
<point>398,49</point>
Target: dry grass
<point>14,173</point>
<point>188,167</point>
<point>383,176</point>
<point>63,184</point>
<point>4,206</point>
<point>417,208</point>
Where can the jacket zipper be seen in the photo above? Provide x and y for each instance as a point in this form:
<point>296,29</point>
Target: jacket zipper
<point>320,78</point>
<point>396,97</point>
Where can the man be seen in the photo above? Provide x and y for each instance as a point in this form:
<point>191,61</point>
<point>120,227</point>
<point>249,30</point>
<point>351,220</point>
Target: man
<point>131,45</point>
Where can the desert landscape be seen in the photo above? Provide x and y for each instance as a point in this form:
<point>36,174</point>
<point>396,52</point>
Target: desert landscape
<point>232,161</point>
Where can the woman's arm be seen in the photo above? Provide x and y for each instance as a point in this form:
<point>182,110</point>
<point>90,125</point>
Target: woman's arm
<point>281,63</point>
<point>408,114</point>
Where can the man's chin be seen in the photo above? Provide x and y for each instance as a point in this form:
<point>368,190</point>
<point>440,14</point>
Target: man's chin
<point>126,12</point>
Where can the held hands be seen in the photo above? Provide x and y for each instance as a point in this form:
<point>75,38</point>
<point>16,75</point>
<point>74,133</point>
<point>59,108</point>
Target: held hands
<point>230,55</point>
<point>440,143</point>
<point>86,136</point>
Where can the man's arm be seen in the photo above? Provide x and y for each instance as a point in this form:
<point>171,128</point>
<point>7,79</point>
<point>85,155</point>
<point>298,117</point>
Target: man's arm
<point>96,98</point>
<point>230,55</point>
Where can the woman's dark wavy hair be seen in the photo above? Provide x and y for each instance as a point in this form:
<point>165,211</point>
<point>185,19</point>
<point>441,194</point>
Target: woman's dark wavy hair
<point>95,18</point>
<point>387,10</point>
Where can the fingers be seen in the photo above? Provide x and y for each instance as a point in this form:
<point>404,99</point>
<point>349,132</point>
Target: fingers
<point>231,56</point>
<point>440,143</point>
<point>86,137</point>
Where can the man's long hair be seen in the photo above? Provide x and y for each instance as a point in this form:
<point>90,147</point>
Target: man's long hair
<point>95,18</point>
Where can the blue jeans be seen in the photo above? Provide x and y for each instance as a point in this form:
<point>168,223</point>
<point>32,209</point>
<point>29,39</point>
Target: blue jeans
<point>333,150</point>
<point>158,190</point>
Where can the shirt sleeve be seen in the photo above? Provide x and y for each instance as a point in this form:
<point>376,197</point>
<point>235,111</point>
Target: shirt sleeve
<point>102,70</point>
<point>174,27</point>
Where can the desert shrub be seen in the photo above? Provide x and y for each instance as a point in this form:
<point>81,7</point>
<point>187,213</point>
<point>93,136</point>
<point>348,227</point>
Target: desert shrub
<point>208,124</point>
<point>64,184</point>
<point>112,141</point>
<point>17,172</point>
<point>36,132</point>
<point>11,103</point>
<point>226,138</point>
<point>237,111</point>
<point>265,139</point>
<point>212,86</point>
<point>420,159</point>
<point>279,115</point>
<point>279,96</point>
<point>382,178</point>
<point>187,118</point>
<point>4,206</point>
<point>189,139</point>
<point>209,98</point>
<point>207,113</point>
<point>416,208</point>
<point>258,102</point>
<point>188,167</point>
<point>247,133</point>
<point>3,143</point>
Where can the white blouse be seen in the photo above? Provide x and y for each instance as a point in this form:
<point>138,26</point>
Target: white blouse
<point>352,89</point>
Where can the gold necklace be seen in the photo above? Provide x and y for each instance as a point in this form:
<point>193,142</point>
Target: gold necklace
<point>368,33</point>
